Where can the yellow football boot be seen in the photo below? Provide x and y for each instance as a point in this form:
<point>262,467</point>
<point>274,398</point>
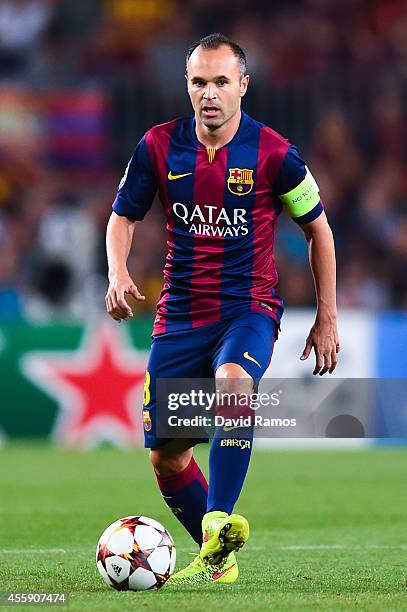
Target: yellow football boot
<point>222,534</point>
<point>198,572</point>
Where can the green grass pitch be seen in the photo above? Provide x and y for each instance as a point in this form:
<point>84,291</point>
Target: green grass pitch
<point>329,529</point>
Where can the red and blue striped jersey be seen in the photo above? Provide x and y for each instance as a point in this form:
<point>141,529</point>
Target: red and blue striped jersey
<point>221,209</point>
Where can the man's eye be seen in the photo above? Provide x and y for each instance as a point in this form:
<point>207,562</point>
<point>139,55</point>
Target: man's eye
<point>198,83</point>
<point>222,82</point>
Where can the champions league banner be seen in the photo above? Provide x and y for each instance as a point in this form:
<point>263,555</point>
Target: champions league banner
<point>77,385</point>
<point>82,385</point>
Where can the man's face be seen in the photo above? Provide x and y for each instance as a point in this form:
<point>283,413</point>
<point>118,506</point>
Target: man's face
<point>215,85</point>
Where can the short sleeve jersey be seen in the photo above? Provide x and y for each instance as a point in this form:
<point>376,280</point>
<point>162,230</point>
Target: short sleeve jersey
<point>221,209</point>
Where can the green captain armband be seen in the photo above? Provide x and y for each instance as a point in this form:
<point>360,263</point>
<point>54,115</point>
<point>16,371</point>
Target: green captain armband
<point>303,198</point>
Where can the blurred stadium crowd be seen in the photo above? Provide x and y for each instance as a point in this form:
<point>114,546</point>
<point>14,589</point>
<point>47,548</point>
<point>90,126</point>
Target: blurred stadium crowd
<point>81,81</point>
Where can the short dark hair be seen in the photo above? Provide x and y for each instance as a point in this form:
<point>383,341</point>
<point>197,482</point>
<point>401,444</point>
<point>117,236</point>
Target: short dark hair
<point>216,40</point>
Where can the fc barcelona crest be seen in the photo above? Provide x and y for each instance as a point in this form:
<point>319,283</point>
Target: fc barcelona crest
<point>240,181</point>
<point>147,420</point>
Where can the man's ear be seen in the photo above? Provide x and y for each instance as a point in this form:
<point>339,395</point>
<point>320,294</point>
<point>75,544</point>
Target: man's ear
<point>244,83</point>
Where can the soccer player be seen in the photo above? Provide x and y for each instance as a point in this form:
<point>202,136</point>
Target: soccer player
<point>223,178</point>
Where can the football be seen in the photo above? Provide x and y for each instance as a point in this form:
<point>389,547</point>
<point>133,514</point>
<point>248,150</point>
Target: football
<point>135,553</point>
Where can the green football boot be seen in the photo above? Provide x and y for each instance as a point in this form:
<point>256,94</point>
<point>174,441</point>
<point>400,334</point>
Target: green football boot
<point>198,572</point>
<point>222,534</point>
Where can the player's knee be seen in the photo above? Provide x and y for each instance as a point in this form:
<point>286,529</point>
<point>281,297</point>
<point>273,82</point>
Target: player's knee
<point>168,464</point>
<point>231,370</point>
<point>232,378</point>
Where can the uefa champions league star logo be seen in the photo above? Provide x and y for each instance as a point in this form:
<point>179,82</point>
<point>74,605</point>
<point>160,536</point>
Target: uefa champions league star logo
<point>99,387</point>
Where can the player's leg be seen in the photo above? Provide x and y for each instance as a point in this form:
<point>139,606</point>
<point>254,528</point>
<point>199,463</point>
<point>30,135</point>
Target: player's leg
<point>182,484</point>
<point>239,362</point>
<point>185,490</point>
<point>229,457</point>
<point>232,445</point>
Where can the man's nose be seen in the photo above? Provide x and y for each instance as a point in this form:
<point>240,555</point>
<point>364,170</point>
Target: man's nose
<point>210,92</point>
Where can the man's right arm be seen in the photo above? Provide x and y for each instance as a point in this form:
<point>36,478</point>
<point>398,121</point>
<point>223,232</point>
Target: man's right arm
<point>134,198</point>
<point>119,237</point>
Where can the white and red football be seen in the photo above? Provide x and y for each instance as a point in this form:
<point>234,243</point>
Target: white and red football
<point>135,553</point>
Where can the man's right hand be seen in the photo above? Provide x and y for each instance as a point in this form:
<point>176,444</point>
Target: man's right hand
<point>116,304</point>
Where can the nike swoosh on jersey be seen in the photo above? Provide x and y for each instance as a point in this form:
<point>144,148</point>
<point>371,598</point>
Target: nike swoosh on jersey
<point>229,428</point>
<point>250,358</point>
<point>174,177</point>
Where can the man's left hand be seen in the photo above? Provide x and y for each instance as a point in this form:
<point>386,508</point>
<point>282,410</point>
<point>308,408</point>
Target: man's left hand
<point>324,339</point>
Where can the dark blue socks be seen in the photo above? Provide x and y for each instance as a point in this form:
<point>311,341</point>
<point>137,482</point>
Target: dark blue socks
<point>186,494</point>
<point>228,462</point>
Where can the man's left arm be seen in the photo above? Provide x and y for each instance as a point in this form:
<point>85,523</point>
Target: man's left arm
<point>323,337</point>
<point>299,193</point>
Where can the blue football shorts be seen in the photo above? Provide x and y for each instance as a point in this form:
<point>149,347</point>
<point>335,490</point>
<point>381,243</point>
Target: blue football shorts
<point>247,340</point>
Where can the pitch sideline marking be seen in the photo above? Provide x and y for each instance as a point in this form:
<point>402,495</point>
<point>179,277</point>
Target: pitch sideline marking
<point>56,551</point>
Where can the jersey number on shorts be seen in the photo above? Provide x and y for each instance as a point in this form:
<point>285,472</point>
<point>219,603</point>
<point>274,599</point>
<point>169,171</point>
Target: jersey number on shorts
<point>147,395</point>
